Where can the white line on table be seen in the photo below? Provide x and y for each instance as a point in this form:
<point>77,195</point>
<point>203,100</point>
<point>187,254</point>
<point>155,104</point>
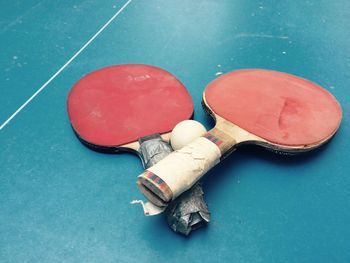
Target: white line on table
<point>65,65</point>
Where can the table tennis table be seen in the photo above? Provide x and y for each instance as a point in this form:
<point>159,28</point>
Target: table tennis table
<point>61,202</point>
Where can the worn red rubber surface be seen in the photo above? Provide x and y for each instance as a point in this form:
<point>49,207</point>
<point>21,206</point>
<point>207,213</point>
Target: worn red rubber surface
<point>119,104</point>
<point>278,107</point>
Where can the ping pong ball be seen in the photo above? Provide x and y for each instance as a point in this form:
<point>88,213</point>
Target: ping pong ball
<point>185,132</point>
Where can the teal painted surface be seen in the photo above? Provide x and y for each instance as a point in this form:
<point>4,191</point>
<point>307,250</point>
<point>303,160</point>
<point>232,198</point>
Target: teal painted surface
<point>60,202</point>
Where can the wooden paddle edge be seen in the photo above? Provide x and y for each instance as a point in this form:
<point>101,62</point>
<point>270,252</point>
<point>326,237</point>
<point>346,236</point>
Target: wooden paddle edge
<point>128,147</point>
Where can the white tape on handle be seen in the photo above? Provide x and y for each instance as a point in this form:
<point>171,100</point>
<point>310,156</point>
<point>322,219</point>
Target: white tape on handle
<point>149,209</point>
<point>184,167</point>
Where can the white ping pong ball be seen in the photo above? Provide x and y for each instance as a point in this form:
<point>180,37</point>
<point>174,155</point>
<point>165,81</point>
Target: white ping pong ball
<point>185,132</point>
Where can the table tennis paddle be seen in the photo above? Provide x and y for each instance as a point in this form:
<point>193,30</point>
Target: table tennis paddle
<point>278,111</point>
<point>115,108</point>
<point>132,107</point>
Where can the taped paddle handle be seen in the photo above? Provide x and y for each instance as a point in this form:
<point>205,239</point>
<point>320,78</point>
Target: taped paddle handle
<point>180,170</point>
<point>153,149</point>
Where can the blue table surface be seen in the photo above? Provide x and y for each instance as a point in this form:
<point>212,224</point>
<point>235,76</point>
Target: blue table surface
<point>61,202</point>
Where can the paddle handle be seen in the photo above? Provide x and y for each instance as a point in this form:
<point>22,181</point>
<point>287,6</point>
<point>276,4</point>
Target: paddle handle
<point>153,149</point>
<point>181,169</point>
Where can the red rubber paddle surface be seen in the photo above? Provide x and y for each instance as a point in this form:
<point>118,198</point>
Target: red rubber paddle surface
<point>278,107</point>
<point>119,104</point>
